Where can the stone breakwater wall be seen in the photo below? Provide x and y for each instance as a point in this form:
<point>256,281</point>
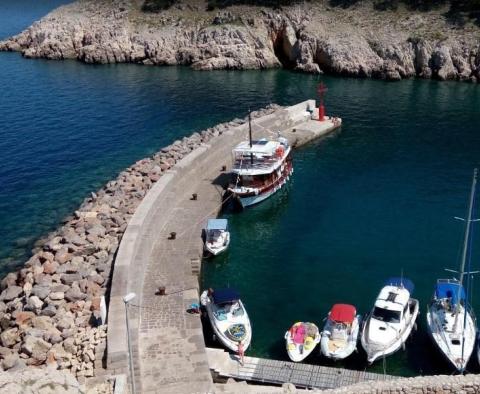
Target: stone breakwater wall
<point>442,384</point>
<point>50,308</point>
<point>310,37</point>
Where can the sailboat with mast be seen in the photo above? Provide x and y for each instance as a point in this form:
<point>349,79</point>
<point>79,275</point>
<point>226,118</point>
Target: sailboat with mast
<point>450,319</point>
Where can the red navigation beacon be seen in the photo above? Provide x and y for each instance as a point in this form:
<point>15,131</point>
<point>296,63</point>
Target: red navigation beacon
<point>322,89</point>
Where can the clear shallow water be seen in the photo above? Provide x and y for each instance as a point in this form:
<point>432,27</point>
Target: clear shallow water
<point>365,203</point>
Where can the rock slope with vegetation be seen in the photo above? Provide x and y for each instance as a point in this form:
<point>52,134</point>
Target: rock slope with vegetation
<point>388,39</point>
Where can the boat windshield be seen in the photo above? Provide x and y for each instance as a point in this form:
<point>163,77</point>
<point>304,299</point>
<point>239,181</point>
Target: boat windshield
<point>386,316</point>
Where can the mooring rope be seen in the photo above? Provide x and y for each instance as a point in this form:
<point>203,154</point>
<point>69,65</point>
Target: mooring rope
<point>217,208</point>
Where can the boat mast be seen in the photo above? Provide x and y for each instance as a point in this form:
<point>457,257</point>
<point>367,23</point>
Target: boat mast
<point>465,247</point>
<point>250,134</point>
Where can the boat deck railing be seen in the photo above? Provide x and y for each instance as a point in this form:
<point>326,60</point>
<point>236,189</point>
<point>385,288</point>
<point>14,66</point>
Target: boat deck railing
<point>257,164</point>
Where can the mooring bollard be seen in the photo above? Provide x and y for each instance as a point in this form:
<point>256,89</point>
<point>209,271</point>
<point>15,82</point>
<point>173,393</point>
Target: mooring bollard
<point>224,168</point>
<point>173,235</point>
<point>194,197</point>
<point>161,291</point>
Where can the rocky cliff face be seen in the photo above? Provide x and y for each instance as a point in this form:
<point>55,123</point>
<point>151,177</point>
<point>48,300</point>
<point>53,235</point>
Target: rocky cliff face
<point>311,37</point>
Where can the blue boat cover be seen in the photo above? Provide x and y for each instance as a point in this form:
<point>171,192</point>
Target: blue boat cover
<point>217,224</point>
<point>400,282</point>
<point>450,290</point>
<point>222,296</point>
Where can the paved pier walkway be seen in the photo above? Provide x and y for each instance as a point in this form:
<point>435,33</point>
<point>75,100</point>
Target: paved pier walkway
<point>168,346</point>
<point>278,372</point>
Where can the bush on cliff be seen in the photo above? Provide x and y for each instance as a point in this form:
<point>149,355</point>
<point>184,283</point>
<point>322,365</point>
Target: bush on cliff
<point>157,5</point>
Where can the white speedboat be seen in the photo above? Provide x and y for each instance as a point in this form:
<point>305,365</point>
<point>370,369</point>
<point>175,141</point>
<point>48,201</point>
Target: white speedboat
<point>340,334</point>
<point>391,320</point>
<point>301,339</point>
<point>451,324</point>
<point>217,236</point>
<point>228,317</point>
<point>450,319</point>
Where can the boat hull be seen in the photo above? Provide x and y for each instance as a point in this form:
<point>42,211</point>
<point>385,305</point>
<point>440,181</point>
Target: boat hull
<point>340,352</point>
<point>299,352</point>
<point>250,199</point>
<point>214,249</point>
<point>441,340</point>
<point>220,334</point>
<point>375,351</point>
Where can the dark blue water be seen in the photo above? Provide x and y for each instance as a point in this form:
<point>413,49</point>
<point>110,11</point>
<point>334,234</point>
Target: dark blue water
<point>375,200</point>
<point>371,201</point>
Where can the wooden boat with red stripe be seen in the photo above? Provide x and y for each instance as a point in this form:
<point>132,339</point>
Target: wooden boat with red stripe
<point>260,169</point>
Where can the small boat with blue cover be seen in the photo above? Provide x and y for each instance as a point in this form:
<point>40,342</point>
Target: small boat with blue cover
<point>451,321</point>
<point>228,317</point>
<point>451,324</point>
<point>217,236</point>
<point>391,320</point>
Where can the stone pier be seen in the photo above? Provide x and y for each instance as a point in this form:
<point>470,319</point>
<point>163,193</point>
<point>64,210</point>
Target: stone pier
<point>168,347</point>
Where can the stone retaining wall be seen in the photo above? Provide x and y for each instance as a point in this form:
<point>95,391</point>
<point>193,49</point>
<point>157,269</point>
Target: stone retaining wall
<point>441,384</point>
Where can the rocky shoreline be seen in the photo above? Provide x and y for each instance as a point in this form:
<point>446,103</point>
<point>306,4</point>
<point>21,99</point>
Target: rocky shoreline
<point>311,37</point>
<point>50,310</point>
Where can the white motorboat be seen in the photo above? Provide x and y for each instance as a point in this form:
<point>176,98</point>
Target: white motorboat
<point>260,169</point>
<point>217,236</point>
<point>301,339</point>
<point>228,317</point>
<point>391,320</point>
<point>340,334</point>
<point>450,319</point>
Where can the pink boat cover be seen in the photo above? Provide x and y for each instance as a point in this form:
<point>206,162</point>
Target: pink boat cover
<point>299,334</point>
<point>343,313</point>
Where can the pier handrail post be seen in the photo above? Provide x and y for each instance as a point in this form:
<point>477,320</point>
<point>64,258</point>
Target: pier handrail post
<point>129,297</point>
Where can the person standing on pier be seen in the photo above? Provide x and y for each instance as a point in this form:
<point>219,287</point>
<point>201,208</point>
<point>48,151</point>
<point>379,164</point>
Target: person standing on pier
<point>240,352</point>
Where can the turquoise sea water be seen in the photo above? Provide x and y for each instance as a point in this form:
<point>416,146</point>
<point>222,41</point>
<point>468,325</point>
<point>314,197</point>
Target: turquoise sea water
<point>371,201</point>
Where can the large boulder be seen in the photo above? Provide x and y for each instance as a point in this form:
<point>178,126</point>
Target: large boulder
<point>9,337</point>
<point>41,291</point>
<point>74,294</point>
<point>34,303</point>
<point>9,280</point>
<point>35,381</point>
<point>23,318</point>
<point>10,293</point>
<point>68,279</point>
<point>36,348</point>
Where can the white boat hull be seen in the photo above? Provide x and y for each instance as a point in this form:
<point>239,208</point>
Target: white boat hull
<point>253,200</point>
<point>339,350</point>
<point>377,350</point>
<point>220,327</point>
<point>443,338</point>
<point>298,352</point>
<point>216,248</point>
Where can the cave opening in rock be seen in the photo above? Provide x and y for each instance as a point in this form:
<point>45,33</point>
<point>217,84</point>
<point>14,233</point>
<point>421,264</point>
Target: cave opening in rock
<point>283,50</point>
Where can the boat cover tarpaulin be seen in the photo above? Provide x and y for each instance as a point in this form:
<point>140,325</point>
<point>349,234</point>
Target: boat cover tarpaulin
<point>450,290</point>
<point>343,313</point>
<point>217,224</point>
<point>222,296</point>
<point>401,282</point>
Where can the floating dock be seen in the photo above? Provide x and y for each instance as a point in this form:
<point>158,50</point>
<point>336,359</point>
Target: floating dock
<point>260,370</point>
